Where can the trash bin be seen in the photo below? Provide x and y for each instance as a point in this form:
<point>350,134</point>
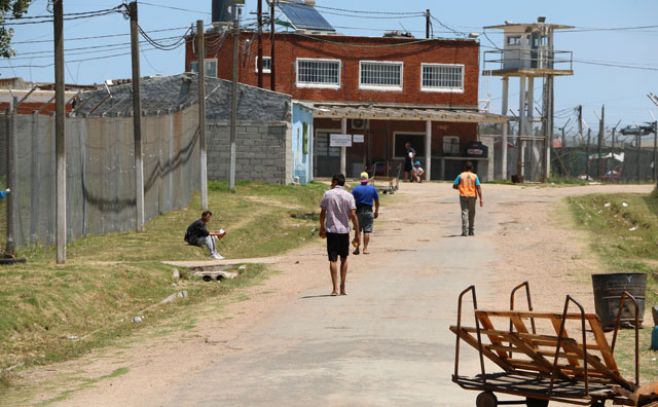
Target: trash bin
<point>607,294</point>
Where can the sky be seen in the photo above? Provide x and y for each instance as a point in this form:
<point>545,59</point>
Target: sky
<point>597,43</point>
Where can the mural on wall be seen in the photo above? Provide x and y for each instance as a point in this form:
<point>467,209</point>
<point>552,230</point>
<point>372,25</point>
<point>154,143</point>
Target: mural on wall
<point>302,142</point>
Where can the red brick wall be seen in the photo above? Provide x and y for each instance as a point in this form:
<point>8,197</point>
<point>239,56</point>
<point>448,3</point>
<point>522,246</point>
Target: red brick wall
<point>350,50</point>
<point>29,108</point>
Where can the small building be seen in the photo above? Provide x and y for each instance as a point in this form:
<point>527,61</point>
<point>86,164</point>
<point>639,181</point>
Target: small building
<point>384,91</point>
<point>266,148</point>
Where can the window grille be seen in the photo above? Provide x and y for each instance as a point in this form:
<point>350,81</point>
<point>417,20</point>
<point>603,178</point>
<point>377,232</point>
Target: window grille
<point>318,73</point>
<point>267,65</point>
<point>381,75</point>
<point>443,78</point>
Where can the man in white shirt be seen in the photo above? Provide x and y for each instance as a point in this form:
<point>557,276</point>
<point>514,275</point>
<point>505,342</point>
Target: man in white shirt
<point>338,208</point>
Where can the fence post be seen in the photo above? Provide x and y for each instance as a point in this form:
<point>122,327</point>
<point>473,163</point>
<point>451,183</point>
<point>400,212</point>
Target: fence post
<point>10,246</point>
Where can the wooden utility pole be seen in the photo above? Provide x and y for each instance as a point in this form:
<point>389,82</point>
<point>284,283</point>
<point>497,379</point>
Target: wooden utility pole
<point>10,123</point>
<point>580,122</point>
<point>655,152</point>
<point>272,46</point>
<point>234,96</point>
<point>137,118</point>
<point>638,145</point>
<point>260,43</point>
<point>60,139</point>
<point>428,23</point>
<point>589,139</point>
<point>201,56</point>
<point>504,109</point>
<point>599,144</point>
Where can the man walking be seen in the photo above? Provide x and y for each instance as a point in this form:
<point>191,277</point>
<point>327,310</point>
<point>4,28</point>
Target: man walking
<point>337,208</point>
<point>365,196</point>
<point>469,188</point>
<point>197,234</point>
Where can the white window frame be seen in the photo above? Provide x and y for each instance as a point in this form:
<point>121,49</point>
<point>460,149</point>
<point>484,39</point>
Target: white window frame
<point>265,70</point>
<point>381,87</point>
<point>207,62</point>
<point>442,89</point>
<point>318,85</point>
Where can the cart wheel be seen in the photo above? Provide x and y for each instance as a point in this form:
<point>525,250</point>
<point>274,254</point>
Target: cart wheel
<point>598,403</point>
<point>486,399</point>
<point>530,402</point>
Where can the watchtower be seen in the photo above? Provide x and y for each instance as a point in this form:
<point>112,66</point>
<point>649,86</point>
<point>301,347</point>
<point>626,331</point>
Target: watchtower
<point>528,53</point>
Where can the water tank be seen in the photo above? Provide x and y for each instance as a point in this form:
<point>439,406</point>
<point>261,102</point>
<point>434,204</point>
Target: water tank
<point>221,11</point>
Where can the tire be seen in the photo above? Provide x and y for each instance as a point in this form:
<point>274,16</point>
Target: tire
<point>486,399</point>
<point>530,402</point>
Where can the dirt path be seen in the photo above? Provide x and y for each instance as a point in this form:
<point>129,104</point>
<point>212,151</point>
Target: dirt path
<point>386,343</point>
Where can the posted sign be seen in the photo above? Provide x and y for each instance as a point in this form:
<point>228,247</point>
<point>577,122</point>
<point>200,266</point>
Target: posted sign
<point>358,138</point>
<point>340,140</point>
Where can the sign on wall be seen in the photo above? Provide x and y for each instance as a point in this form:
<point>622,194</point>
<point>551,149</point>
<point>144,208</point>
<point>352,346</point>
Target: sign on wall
<point>340,140</point>
<point>358,138</point>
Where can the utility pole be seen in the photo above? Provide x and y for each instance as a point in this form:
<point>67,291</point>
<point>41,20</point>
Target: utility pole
<point>201,56</point>
<point>599,146</point>
<point>589,138</point>
<point>638,145</point>
<point>580,122</point>
<point>428,23</point>
<point>10,246</point>
<point>60,139</point>
<point>655,152</point>
<point>260,43</point>
<point>137,117</point>
<point>272,46</point>
<point>234,95</point>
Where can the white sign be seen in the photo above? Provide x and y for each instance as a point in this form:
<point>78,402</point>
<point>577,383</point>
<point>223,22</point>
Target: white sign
<point>340,140</point>
<point>358,138</point>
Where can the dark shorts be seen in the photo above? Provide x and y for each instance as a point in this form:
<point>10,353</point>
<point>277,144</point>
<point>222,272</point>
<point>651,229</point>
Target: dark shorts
<point>338,244</point>
<point>408,166</point>
<point>366,219</point>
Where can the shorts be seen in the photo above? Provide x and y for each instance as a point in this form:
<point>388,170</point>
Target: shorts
<point>408,167</point>
<point>366,219</point>
<point>338,244</point>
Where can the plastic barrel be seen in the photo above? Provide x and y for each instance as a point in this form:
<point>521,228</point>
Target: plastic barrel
<point>607,294</point>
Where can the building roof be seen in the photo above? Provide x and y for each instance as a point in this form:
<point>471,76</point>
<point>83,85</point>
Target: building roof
<point>174,93</point>
<point>402,112</point>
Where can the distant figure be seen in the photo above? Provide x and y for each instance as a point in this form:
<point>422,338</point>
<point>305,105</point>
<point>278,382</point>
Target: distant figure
<point>409,157</point>
<point>338,207</point>
<point>418,172</point>
<point>4,193</point>
<point>365,197</point>
<point>197,234</point>
<point>469,188</point>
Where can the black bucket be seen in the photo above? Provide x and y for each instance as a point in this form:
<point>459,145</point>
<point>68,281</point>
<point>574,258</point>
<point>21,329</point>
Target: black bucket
<point>607,294</point>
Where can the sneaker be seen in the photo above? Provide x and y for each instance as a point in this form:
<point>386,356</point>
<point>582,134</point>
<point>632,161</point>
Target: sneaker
<point>471,233</point>
<point>217,256</point>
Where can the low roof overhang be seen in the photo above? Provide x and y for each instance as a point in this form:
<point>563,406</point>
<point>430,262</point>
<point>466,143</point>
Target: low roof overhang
<point>403,112</point>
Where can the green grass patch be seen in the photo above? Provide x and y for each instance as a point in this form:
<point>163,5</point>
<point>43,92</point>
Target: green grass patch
<point>624,233</point>
<point>53,313</point>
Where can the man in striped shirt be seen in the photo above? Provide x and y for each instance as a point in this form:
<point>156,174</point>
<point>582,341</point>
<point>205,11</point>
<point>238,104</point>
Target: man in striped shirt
<point>468,185</point>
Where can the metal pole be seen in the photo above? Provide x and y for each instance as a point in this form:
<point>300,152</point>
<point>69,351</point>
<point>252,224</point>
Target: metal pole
<point>272,46</point>
<point>201,56</point>
<point>137,118</point>
<point>522,127</point>
<point>428,23</point>
<point>260,43</point>
<point>10,123</point>
<point>60,139</point>
<point>428,150</point>
<point>343,150</point>
<point>589,137</point>
<point>638,142</point>
<point>580,122</point>
<point>505,108</point>
<point>234,95</point>
<point>655,152</point>
<point>550,128</point>
<point>599,145</point>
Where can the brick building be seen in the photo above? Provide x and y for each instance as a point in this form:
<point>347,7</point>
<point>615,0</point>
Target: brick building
<point>389,89</point>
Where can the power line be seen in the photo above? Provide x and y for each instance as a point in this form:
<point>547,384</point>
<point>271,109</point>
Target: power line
<point>397,13</point>
<point>97,36</point>
<point>173,8</point>
<point>67,17</point>
<point>642,68</point>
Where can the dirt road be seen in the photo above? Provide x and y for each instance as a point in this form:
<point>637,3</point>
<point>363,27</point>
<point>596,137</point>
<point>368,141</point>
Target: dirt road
<point>384,344</point>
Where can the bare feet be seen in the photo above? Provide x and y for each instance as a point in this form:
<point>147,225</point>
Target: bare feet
<point>365,251</point>
<point>343,293</point>
<point>334,293</point>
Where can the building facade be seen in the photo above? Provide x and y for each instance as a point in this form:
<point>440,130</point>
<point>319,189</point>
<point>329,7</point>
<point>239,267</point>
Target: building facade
<point>385,91</point>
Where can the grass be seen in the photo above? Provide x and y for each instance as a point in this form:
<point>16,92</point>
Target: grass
<point>53,313</point>
<point>624,233</point>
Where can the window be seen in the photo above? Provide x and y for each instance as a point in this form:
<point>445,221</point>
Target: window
<point>380,75</point>
<point>318,73</point>
<point>442,78</point>
<point>210,64</point>
<point>514,40</point>
<point>267,65</point>
<point>417,141</point>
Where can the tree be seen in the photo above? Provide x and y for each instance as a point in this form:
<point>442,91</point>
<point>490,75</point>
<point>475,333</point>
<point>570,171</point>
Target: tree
<point>11,9</point>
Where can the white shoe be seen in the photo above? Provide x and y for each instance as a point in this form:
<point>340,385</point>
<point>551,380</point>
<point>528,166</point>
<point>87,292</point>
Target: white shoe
<point>217,256</point>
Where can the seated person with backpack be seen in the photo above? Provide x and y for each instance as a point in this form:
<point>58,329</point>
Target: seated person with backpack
<point>197,234</point>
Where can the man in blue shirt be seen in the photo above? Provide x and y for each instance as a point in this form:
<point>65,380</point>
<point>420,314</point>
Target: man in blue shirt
<point>365,196</point>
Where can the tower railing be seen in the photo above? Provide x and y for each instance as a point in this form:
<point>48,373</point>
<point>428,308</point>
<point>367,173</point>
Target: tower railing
<point>517,59</point>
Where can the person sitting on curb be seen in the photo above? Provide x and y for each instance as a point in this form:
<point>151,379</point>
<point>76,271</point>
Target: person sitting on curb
<point>418,172</point>
<point>197,234</point>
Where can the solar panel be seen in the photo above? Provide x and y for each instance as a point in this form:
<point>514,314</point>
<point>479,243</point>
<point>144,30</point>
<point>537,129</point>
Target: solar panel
<point>304,17</point>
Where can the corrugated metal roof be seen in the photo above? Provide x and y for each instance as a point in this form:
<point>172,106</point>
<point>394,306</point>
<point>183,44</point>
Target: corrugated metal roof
<point>403,112</point>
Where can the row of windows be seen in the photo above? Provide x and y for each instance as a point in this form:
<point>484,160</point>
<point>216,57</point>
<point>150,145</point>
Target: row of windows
<point>379,75</point>
<point>375,75</point>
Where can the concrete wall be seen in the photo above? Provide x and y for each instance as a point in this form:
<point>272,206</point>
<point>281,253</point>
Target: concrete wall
<point>264,151</point>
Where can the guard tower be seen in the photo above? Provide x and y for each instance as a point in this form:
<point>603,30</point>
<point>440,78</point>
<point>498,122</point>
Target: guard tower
<point>528,53</point>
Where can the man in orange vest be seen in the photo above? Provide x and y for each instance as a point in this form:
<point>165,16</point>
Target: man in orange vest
<point>468,185</point>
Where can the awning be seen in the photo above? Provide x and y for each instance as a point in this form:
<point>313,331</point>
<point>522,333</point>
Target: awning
<point>402,112</point>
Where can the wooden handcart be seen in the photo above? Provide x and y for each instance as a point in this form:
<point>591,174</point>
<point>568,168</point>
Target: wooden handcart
<point>544,356</point>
